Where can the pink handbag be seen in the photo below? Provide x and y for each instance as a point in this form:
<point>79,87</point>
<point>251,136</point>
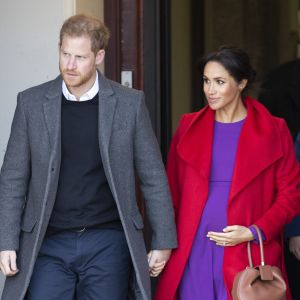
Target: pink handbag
<point>262,282</point>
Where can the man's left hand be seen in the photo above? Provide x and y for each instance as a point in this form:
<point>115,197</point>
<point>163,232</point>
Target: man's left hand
<point>157,260</point>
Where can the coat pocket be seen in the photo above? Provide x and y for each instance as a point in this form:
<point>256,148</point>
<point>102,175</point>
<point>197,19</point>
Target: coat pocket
<point>137,220</point>
<point>28,223</point>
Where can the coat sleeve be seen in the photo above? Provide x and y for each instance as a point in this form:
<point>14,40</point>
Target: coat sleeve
<point>153,181</point>
<point>287,203</point>
<point>14,177</point>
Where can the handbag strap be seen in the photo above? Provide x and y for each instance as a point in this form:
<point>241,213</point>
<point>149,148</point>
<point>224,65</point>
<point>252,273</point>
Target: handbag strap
<point>261,248</point>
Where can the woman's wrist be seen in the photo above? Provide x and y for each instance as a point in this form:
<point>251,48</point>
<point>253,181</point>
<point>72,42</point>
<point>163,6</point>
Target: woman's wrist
<point>255,235</point>
<point>249,236</point>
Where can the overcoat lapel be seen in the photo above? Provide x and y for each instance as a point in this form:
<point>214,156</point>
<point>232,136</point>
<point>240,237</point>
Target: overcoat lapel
<point>107,105</point>
<point>195,146</point>
<point>52,114</point>
<point>259,145</point>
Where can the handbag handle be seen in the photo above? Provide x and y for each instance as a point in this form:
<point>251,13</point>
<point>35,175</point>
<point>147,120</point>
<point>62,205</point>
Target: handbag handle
<point>261,248</point>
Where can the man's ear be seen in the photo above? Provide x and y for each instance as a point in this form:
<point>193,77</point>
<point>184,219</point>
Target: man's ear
<point>100,56</point>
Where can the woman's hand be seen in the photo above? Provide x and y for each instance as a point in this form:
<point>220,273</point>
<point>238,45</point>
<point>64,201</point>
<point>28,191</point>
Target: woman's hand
<point>157,260</point>
<point>231,235</point>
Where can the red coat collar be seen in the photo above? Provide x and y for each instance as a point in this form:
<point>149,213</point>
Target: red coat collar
<point>259,144</point>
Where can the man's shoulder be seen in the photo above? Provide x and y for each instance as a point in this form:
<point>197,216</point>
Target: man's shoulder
<point>287,72</point>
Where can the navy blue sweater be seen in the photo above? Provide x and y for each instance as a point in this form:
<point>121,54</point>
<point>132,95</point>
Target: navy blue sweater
<point>84,198</point>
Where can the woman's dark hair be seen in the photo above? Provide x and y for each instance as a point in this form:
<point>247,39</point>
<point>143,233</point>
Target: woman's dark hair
<point>235,61</point>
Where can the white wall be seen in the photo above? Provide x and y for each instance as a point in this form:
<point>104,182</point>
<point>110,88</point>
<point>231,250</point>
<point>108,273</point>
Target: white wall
<point>28,52</point>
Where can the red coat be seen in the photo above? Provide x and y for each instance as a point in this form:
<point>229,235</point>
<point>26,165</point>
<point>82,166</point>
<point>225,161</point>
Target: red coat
<point>264,190</point>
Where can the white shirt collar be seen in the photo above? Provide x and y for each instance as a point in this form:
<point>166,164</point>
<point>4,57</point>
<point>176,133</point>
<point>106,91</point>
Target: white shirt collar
<point>90,94</point>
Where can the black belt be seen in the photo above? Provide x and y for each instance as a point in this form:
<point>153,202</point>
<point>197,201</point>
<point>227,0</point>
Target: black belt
<point>53,230</point>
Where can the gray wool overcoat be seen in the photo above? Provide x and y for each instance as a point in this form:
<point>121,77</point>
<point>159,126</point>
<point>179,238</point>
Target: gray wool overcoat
<point>30,174</point>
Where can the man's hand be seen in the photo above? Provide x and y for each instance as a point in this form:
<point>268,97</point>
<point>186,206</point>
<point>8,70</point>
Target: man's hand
<point>157,260</point>
<point>8,263</point>
<point>294,246</point>
<point>231,236</point>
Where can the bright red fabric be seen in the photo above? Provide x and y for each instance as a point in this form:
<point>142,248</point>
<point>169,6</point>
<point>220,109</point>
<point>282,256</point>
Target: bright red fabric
<point>264,191</point>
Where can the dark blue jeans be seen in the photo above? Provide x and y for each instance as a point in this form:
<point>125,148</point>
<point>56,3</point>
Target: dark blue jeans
<point>92,265</point>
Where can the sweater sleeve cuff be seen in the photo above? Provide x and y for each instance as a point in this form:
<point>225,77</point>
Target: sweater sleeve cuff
<point>252,229</point>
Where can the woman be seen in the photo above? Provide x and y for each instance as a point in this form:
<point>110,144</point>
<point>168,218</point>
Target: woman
<point>231,165</point>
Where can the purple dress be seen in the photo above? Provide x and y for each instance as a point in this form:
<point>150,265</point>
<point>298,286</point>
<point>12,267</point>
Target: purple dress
<point>203,274</point>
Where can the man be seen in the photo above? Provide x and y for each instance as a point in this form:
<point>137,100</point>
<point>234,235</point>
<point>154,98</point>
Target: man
<point>292,234</point>
<point>69,222</point>
<point>281,95</point>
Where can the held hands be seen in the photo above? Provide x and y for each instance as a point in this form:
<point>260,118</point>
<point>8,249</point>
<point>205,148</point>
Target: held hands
<point>157,260</point>
<point>231,236</point>
<point>8,263</point>
<point>294,246</point>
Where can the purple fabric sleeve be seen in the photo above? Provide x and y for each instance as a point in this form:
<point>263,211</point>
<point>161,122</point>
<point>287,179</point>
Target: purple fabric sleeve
<point>252,229</point>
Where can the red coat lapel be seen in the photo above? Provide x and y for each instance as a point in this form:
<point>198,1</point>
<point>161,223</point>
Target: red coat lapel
<point>195,146</point>
<point>259,146</point>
